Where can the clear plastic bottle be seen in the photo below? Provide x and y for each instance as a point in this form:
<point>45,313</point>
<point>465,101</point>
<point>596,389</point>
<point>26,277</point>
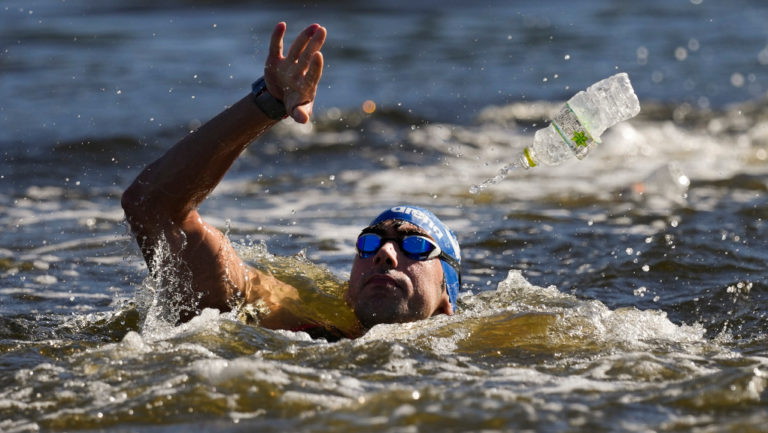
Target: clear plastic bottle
<point>577,127</point>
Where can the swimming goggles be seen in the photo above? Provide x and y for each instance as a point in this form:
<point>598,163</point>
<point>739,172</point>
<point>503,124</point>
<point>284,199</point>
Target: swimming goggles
<point>415,247</point>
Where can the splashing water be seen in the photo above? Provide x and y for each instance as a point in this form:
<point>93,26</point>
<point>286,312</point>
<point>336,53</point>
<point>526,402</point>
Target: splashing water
<point>503,173</point>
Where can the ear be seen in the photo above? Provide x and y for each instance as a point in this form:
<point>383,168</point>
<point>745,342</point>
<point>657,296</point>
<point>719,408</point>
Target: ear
<point>444,307</point>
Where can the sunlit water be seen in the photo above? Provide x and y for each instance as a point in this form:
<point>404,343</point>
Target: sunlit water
<point>622,292</point>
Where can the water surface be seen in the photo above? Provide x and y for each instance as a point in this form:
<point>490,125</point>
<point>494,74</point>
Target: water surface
<point>623,292</point>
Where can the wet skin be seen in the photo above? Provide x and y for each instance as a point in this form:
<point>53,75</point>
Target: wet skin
<point>390,287</point>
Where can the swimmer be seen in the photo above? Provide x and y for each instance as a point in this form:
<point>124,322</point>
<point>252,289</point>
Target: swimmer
<point>407,266</point>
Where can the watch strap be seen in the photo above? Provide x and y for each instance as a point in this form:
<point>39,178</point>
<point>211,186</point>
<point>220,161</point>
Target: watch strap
<point>271,106</point>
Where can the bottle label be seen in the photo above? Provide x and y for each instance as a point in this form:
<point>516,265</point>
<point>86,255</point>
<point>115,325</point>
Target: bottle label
<point>573,132</point>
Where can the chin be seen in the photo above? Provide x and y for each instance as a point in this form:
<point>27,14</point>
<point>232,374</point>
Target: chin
<point>377,313</point>
<point>371,315</point>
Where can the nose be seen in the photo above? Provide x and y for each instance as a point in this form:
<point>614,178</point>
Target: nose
<point>387,254</point>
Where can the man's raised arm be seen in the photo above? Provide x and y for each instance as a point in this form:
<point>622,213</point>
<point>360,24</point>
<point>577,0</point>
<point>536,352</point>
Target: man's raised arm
<point>161,204</point>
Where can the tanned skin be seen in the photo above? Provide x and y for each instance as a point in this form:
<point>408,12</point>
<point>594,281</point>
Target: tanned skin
<point>192,257</point>
<point>161,204</point>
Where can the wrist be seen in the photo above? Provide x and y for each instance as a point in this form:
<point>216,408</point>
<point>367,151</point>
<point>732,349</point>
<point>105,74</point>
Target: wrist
<point>268,104</point>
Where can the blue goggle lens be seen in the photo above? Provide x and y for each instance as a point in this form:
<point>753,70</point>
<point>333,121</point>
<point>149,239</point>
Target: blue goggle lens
<point>414,246</point>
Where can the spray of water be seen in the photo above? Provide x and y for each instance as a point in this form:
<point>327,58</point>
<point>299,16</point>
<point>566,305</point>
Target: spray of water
<point>503,173</point>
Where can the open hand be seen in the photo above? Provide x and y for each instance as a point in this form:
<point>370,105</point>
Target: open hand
<point>293,79</point>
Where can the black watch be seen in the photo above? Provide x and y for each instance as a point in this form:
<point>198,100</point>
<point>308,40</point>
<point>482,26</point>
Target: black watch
<point>271,106</point>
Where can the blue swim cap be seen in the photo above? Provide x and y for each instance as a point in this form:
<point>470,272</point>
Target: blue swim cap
<point>440,232</point>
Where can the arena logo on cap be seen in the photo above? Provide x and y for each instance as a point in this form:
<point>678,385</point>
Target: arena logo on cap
<point>422,218</point>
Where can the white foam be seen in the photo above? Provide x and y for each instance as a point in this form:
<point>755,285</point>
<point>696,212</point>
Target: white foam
<point>593,321</point>
<point>324,400</point>
<point>254,369</point>
<point>133,342</point>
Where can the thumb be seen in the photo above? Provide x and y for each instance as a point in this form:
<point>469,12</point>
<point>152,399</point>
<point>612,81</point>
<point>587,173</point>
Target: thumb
<point>301,113</point>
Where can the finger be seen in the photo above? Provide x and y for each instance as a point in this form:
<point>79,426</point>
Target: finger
<point>301,41</point>
<point>313,46</point>
<point>301,109</point>
<point>306,90</point>
<point>315,70</point>
<point>301,113</point>
<point>276,41</point>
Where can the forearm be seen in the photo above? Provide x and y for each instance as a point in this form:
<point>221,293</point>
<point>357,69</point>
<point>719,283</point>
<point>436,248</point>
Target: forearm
<point>161,204</point>
<point>175,184</point>
<point>181,179</point>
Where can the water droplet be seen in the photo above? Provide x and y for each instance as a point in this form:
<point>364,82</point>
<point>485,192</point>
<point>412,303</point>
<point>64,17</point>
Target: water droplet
<point>681,53</point>
<point>737,79</point>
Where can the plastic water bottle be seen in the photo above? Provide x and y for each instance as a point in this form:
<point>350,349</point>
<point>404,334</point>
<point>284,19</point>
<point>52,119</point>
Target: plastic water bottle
<point>577,127</point>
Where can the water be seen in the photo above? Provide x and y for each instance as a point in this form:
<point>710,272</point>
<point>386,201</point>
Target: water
<point>622,292</point>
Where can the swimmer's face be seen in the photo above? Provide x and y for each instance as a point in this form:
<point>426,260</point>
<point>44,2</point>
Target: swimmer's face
<point>390,287</point>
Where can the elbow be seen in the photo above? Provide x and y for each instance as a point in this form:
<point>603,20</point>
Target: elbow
<point>145,206</point>
<point>133,203</point>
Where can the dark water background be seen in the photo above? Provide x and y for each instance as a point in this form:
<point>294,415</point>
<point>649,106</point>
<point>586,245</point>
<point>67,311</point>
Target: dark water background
<point>623,292</point>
